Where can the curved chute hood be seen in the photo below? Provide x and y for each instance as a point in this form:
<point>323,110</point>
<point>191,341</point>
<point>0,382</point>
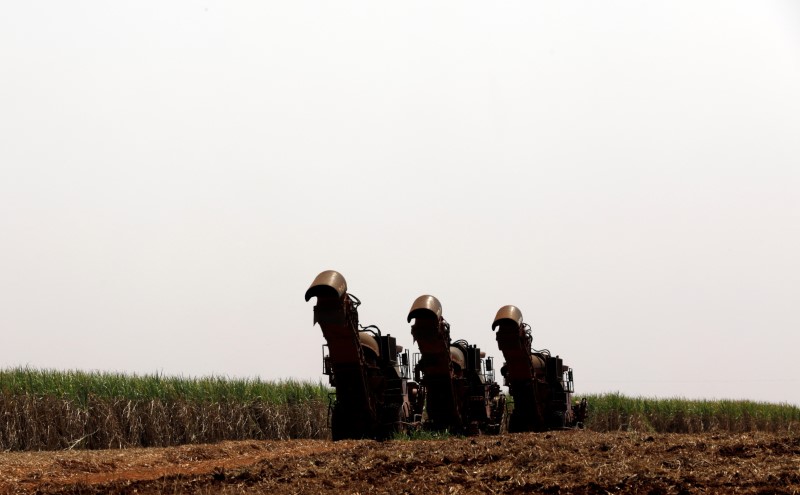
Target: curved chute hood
<point>457,357</point>
<point>425,306</point>
<point>508,313</point>
<point>369,342</point>
<point>329,284</point>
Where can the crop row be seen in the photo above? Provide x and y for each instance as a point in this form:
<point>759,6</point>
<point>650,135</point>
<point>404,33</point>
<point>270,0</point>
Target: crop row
<point>47,409</point>
<point>613,412</point>
<point>78,386</point>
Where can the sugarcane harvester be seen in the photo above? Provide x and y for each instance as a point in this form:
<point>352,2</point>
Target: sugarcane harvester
<point>456,381</point>
<point>368,370</point>
<point>540,384</point>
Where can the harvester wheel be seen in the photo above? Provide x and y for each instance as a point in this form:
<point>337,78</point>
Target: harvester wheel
<point>558,420</point>
<point>515,424</point>
<point>345,425</point>
<point>392,420</point>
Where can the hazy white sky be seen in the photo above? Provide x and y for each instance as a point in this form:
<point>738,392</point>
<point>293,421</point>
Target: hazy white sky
<point>174,174</point>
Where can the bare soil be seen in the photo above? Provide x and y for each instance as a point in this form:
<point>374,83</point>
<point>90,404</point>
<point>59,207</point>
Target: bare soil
<point>556,462</point>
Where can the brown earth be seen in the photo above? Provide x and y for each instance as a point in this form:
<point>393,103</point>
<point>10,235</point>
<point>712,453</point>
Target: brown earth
<point>556,462</point>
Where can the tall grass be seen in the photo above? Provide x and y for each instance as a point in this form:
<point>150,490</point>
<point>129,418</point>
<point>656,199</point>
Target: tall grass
<point>79,385</point>
<point>48,409</point>
<point>612,412</point>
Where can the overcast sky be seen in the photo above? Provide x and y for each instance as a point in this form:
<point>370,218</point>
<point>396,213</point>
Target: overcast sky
<point>173,175</point>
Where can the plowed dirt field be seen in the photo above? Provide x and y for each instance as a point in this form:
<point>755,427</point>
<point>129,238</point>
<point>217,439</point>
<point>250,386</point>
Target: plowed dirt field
<point>557,462</point>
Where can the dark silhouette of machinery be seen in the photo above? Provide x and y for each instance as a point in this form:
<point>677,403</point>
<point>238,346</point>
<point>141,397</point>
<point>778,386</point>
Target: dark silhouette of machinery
<point>456,380</point>
<point>368,370</point>
<point>541,385</point>
<point>454,387</point>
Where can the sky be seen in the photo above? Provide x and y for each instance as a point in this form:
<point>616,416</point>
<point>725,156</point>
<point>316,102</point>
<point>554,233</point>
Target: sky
<point>173,175</point>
